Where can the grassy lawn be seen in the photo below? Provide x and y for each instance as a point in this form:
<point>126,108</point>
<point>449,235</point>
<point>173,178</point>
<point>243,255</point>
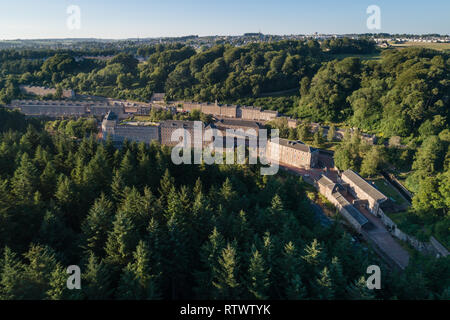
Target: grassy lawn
<point>435,46</point>
<point>399,217</point>
<point>141,118</point>
<point>389,191</point>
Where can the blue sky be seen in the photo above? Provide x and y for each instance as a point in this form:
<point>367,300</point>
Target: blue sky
<point>28,19</point>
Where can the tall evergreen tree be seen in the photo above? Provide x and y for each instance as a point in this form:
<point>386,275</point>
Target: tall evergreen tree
<point>11,276</point>
<point>209,257</point>
<point>121,240</point>
<point>324,285</point>
<point>97,224</point>
<point>96,280</point>
<point>258,277</point>
<point>138,281</point>
<point>227,286</point>
<point>24,181</point>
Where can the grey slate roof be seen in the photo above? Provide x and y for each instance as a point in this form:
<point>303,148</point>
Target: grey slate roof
<point>296,145</point>
<point>325,181</point>
<point>238,122</point>
<point>364,185</point>
<point>358,216</point>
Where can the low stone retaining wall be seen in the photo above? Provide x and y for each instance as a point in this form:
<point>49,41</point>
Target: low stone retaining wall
<point>432,248</point>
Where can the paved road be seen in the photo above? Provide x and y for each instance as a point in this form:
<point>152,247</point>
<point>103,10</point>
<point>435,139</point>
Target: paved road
<point>384,240</point>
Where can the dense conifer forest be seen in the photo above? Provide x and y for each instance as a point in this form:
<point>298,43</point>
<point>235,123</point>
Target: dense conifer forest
<point>142,228</point>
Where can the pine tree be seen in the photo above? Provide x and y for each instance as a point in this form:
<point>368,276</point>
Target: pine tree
<point>11,276</point>
<point>157,244</point>
<point>24,181</point>
<point>5,214</point>
<point>121,240</point>
<point>227,193</point>
<point>198,188</point>
<point>313,254</point>
<point>117,187</point>
<point>48,180</point>
<point>314,258</point>
<point>97,174</point>
<point>276,214</point>
<point>178,241</point>
<point>65,192</point>
<point>77,173</point>
<point>209,257</point>
<point>167,183</point>
<point>324,286</point>
<point>259,277</point>
<point>54,232</point>
<point>359,291</point>
<point>41,158</point>
<point>290,271</point>
<point>338,277</point>
<point>128,169</point>
<point>58,285</point>
<point>96,280</point>
<point>137,207</point>
<point>97,224</point>
<point>225,279</point>
<point>38,272</point>
<point>138,282</point>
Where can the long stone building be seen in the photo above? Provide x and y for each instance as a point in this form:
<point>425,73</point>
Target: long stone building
<point>120,132</point>
<point>228,111</point>
<point>293,153</point>
<point>335,193</point>
<point>361,189</point>
<point>149,131</point>
<point>168,127</point>
<point>67,108</point>
<point>81,108</point>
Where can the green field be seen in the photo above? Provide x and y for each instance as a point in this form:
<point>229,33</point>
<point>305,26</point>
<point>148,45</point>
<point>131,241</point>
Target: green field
<point>434,46</point>
<point>388,190</point>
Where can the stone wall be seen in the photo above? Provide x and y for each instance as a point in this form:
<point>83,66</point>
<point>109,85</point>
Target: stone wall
<point>433,247</point>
